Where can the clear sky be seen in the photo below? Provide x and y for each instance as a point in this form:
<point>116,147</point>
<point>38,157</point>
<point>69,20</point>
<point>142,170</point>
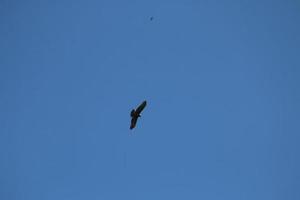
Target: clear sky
<point>222,83</point>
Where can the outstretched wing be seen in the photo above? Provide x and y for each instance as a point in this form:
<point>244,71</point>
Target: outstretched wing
<point>133,122</point>
<point>141,107</point>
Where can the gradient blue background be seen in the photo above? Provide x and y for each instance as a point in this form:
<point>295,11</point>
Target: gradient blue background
<point>222,83</point>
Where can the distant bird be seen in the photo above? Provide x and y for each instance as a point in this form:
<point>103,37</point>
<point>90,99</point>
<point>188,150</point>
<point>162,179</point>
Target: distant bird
<point>135,114</point>
<point>151,18</point>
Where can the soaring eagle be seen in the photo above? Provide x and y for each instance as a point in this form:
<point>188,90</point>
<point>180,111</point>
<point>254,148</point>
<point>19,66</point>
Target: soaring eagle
<point>135,114</point>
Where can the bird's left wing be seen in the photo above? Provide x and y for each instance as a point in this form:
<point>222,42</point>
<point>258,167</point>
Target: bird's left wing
<point>133,122</point>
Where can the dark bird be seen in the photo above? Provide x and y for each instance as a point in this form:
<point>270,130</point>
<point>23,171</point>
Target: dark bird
<point>151,18</point>
<point>135,114</point>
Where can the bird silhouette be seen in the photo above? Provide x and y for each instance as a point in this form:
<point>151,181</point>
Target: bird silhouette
<point>136,113</point>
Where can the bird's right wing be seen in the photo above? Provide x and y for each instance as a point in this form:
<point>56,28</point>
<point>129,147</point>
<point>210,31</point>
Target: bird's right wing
<point>141,107</point>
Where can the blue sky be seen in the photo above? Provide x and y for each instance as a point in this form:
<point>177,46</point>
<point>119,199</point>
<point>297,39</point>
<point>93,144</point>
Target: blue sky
<point>222,83</point>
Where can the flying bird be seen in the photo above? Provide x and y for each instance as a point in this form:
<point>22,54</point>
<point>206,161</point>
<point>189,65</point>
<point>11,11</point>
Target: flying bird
<point>135,114</point>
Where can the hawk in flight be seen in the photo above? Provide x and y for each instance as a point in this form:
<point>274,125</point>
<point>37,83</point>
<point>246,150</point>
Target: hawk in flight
<point>135,114</point>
